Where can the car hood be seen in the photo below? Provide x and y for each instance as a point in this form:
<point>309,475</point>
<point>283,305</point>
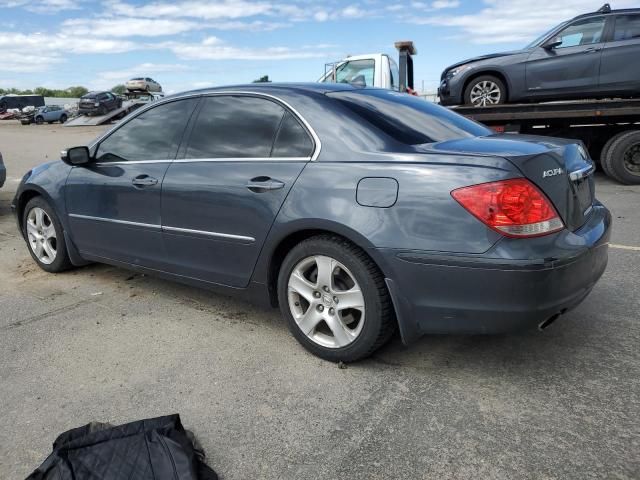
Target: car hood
<point>484,57</point>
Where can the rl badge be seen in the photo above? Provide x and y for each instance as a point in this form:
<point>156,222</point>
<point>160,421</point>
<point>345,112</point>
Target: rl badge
<point>551,173</point>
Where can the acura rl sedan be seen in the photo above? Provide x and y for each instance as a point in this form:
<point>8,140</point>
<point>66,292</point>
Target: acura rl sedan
<point>591,56</point>
<point>357,211</point>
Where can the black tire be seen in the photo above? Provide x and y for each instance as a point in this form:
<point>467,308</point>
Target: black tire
<point>103,110</point>
<point>39,120</point>
<point>63,118</point>
<point>61,261</point>
<point>379,321</point>
<point>485,78</point>
<point>615,161</point>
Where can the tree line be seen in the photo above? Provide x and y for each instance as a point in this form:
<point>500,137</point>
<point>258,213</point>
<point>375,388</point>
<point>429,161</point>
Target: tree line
<point>71,92</point>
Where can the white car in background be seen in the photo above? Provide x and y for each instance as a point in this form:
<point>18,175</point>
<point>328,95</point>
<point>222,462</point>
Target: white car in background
<point>143,84</point>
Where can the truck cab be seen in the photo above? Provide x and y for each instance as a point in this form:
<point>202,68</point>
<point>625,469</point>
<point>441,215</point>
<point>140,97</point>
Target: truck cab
<point>371,70</point>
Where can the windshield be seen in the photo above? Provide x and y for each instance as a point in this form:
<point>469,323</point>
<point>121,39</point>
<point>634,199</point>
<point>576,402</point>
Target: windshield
<point>545,35</point>
<point>408,119</point>
<point>354,71</point>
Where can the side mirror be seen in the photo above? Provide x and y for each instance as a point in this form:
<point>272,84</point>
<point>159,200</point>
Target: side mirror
<point>75,156</point>
<point>551,44</point>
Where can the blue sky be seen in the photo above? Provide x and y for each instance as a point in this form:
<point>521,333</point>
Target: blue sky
<point>191,44</point>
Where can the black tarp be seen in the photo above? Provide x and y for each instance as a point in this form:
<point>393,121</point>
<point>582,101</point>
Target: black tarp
<point>152,449</point>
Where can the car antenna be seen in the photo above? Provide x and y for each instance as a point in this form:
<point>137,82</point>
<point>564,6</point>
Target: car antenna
<point>606,8</point>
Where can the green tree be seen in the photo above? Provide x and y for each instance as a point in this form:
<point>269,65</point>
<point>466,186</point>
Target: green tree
<point>76,92</point>
<point>119,89</point>
<point>263,79</point>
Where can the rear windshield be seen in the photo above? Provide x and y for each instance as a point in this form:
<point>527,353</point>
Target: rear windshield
<point>137,79</point>
<point>90,95</point>
<point>408,119</point>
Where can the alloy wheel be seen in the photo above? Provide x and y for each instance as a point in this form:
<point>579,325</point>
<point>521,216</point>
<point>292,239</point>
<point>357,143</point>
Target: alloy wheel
<point>326,301</point>
<point>485,93</point>
<point>41,234</point>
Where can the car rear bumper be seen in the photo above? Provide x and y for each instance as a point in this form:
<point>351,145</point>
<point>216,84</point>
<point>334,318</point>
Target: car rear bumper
<point>506,289</point>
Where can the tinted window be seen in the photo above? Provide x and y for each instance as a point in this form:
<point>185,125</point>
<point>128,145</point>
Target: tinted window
<point>234,127</point>
<point>408,119</point>
<point>152,135</point>
<point>584,32</point>
<point>627,27</point>
<point>292,140</point>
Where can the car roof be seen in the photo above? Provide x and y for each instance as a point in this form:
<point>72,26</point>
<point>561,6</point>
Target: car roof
<point>305,88</point>
<point>602,11</point>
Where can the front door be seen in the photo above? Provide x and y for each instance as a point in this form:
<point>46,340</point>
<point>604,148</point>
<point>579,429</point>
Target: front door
<point>573,66</point>
<point>222,195</point>
<point>114,202</point>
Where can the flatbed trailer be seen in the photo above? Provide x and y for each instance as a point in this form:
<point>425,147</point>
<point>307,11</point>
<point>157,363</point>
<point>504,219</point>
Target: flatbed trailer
<point>610,129</point>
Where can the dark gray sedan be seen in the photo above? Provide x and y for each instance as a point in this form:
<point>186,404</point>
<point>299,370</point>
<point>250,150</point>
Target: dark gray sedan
<point>591,56</point>
<point>358,211</point>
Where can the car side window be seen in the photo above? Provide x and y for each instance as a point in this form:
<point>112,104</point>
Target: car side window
<point>583,32</point>
<point>292,139</point>
<point>627,27</point>
<point>235,127</point>
<point>152,135</point>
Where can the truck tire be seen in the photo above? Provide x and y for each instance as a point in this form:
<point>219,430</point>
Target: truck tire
<point>485,90</point>
<point>621,157</point>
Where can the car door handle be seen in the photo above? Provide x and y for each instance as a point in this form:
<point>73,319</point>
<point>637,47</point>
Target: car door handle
<point>593,49</point>
<point>144,181</point>
<point>264,184</point>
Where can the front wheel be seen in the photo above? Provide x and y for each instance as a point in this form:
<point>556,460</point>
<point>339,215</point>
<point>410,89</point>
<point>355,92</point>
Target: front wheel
<point>39,120</point>
<point>334,299</point>
<point>484,91</point>
<point>45,238</point>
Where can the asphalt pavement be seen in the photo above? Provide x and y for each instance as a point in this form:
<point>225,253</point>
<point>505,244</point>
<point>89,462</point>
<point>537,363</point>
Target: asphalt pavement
<point>102,344</point>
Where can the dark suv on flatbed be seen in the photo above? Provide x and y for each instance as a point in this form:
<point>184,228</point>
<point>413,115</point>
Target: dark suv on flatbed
<point>99,103</point>
<point>591,56</point>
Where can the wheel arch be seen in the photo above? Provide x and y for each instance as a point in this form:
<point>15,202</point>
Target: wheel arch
<point>24,197</point>
<point>280,246</point>
<point>490,71</point>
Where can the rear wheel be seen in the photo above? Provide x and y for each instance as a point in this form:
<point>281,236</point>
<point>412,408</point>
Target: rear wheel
<point>63,118</point>
<point>484,91</point>
<point>45,238</point>
<point>334,299</point>
<point>620,157</point>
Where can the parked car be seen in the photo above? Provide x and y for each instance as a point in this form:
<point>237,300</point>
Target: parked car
<point>49,114</point>
<point>20,101</point>
<point>98,103</point>
<point>356,210</point>
<point>3,171</point>
<point>143,84</point>
<point>591,56</point>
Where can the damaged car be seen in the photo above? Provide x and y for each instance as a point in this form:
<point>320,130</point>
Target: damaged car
<point>358,211</point>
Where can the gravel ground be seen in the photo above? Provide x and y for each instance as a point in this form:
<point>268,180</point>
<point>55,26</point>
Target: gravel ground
<point>100,343</point>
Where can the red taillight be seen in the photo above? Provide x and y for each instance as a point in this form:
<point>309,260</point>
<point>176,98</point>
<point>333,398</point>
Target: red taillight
<point>515,207</point>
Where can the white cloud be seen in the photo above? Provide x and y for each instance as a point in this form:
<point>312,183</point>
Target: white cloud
<point>129,27</point>
<point>502,21</point>
<point>197,9</point>
<point>441,4</point>
<point>41,6</point>
<point>212,48</point>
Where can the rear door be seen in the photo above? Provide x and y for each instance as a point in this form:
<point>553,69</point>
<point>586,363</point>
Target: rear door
<point>222,195</point>
<point>114,202</point>
<point>573,67</point>
<point>620,67</point>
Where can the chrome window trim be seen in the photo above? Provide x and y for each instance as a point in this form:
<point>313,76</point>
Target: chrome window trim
<point>316,140</point>
<point>196,160</point>
<point>165,228</point>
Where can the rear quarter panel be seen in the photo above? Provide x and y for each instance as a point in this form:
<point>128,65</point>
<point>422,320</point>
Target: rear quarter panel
<point>424,217</point>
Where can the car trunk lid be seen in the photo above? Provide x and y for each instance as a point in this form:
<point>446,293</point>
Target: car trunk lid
<point>562,169</point>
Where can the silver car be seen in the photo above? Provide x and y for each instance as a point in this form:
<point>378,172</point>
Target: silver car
<point>145,84</point>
